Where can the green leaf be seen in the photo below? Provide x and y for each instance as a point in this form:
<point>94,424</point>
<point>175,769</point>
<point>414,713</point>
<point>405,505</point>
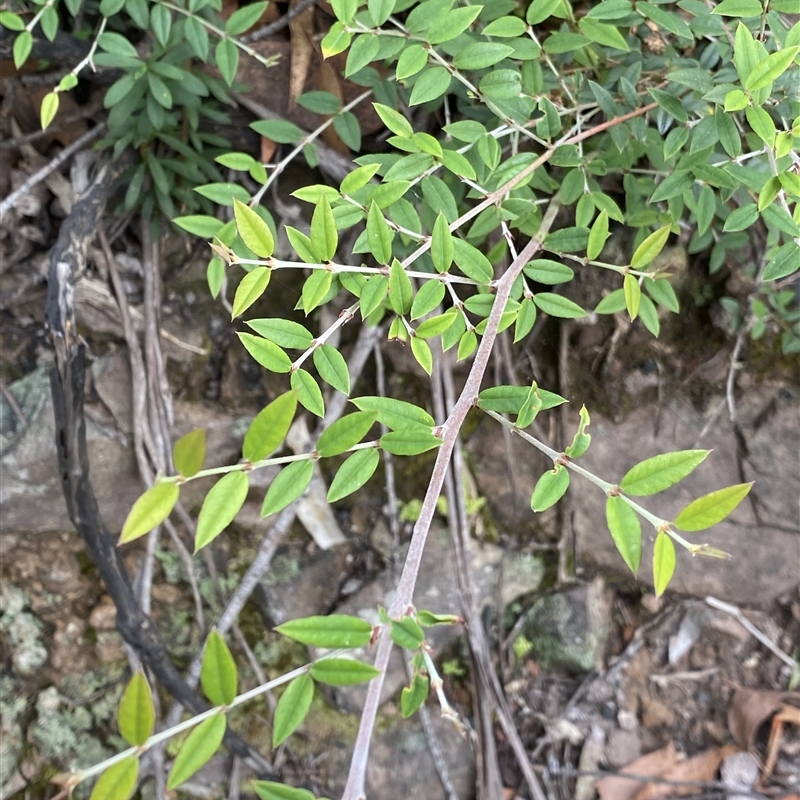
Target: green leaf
<point>395,414</point>
<point>597,236</point>
<point>268,790</point>
<point>197,37</point>
<point>218,675</point>
<point>226,55</point>
<point>633,295</point>
<point>662,293</point>
<point>770,69</point>
<point>250,289</point>
<point>287,486</point>
<point>149,511</point>
<point>545,270</point>
<point>118,781</point>
<point>344,433</point>
<point>673,185</point>
<point>761,123</point>
<point>567,240</point>
<point>472,262</point>
<point>372,294</point>
<point>435,326</point>
<point>380,10</point>
<point>550,488</point>
<point>362,51</point>
<point>558,43</point>
<point>394,120</point>
<point>741,218</point>
<point>413,696</point>
<point>432,83</point>
<point>558,306</point>
<point>379,235</point>
<point>442,244</point>
<point>526,317</point>
<point>342,671</point>
<point>409,442</point>
<point>353,474</point>
<point>711,508</point>
<point>739,8</point>
<point>196,751</point>
<point>422,353</point>
<point>358,178</point>
<point>411,61</point>
<point>407,633</point>
<point>292,708</point>
<point>784,262</point>
<point>278,130</point>
<point>650,248</point>
<point>215,275</point>
<point>626,531</point>
<point>199,225</point>
<point>332,631</point>
<point>324,237</point>
<point>221,505</point>
<point>190,452</point>
<point>284,332</point>
<point>663,562</point>
<point>267,353</point>
<point>452,24</point>
<point>332,368</point>
<point>467,344</point>
<point>501,84</point>
<point>658,473</point>
<point>12,21</point>
<point>509,399</point>
<point>430,294</point>
<point>268,430</point>
<point>136,716</point>
<point>581,440</point>
<point>23,44</point>
<point>539,10</point>
<point>308,392</point>
<point>481,55</point>
<point>254,231</point>
<point>315,289</point>
<point>319,102</point>
<point>604,34</point>
<point>48,109</point>
<point>401,293</point>
<point>336,40</point>
<point>244,18</point>
<point>161,22</point>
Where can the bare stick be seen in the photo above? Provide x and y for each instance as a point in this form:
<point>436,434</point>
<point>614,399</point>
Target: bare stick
<point>11,201</point>
<point>354,789</point>
<point>751,629</point>
<point>279,24</point>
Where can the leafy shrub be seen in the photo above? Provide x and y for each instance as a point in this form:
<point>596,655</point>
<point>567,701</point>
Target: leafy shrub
<point>559,125</point>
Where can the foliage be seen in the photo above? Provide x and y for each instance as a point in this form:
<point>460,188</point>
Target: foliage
<point>562,124</point>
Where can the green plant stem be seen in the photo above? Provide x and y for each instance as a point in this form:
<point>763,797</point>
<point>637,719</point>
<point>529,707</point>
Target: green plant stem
<point>169,733</point>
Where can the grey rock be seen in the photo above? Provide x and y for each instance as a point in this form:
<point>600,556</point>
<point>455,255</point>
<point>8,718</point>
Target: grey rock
<point>568,629</point>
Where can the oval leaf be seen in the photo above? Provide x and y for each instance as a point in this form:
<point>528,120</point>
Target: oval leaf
<point>150,510</point>
<point>663,562</point>
<point>650,248</point>
<point>332,368</point>
<point>221,505</point>
<point>412,697</point>
<point>626,531</point>
<point>395,414</point>
<point>550,488</point>
<point>292,708</point>
<point>197,750</point>
<point>118,781</point>
<point>353,474</point>
<point>136,716</point>
<point>335,630</point>
<point>711,508</point>
<point>189,453</point>
<point>660,472</point>
<point>342,671</point>
<point>557,306</point>
<point>344,433</point>
<point>288,485</point>
<point>409,443</point>
<point>268,430</point>
<point>250,288</point>
<point>218,675</point>
<point>308,392</point>
<point>267,353</point>
<point>254,231</point>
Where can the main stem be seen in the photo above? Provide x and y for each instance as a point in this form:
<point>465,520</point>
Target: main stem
<point>405,588</point>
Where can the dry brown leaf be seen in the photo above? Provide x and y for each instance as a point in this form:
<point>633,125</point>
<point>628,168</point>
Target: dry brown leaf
<point>653,765</point>
<point>701,768</point>
<point>327,80</point>
<point>751,708</point>
<point>302,40</point>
